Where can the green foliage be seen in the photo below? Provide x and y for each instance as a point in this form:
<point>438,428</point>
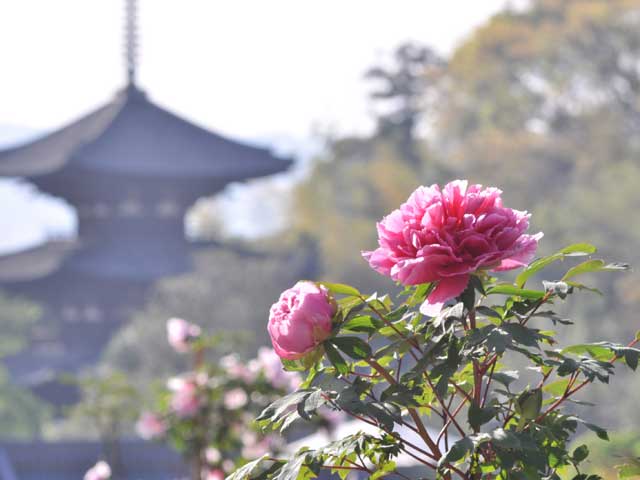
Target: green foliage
<point>407,371</point>
<point>542,101</point>
<point>214,297</point>
<point>17,317</point>
<point>108,406</point>
<point>22,415</point>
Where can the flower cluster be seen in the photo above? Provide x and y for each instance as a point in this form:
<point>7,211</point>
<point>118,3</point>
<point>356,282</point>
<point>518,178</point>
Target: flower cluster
<point>210,409</point>
<point>409,371</point>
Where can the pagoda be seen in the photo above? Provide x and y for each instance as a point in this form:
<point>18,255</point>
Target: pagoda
<point>132,170</point>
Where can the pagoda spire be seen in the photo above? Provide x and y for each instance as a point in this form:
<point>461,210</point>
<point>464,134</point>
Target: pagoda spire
<point>131,40</point>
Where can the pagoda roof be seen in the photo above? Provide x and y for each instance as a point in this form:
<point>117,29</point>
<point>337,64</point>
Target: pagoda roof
<point>34,262</point>
<point>132,136</point>
<point>52,261</point>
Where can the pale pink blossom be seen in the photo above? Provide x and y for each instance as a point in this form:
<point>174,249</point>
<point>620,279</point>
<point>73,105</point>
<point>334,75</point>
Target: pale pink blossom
<point>235,398</point>
<point>269,363</point>
<point>235,368</point>
<point>443,236</point>
<point>212,455</point>
<point>253,447</point>
<point>185,401</point>
<point>100,471</point>
<point>300,320</point>
<point>150,426</point>
<point>215,474</point>
<point>181,333</point>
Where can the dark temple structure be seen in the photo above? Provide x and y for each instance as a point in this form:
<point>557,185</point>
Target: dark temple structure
<point>131,169</point>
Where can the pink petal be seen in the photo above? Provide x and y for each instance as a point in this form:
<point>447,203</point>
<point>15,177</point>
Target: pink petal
<point>446,289</point>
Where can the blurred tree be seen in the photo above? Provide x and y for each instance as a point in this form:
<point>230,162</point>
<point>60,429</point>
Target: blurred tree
<point>545,103</point>
<point>359,180</point>
<point>229,291</point>
<point>405,91</point>
<point>604,456</point>
<point>108,407</point>
<point>22,415</point>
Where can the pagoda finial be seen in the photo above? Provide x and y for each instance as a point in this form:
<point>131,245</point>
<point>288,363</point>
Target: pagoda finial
<point>131,40</point>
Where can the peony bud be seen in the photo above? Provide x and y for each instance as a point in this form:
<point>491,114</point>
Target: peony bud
<point>300,320</point>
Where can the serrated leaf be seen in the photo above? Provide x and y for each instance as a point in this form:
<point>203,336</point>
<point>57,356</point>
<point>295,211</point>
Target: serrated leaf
<point>457,452</point>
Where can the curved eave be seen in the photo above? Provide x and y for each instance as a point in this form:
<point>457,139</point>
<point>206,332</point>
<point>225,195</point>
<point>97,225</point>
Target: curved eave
<point>34,263</point>
<point>51,152</point>
<point>134,137</point>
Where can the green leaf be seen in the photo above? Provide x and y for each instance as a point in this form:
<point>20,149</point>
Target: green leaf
<point>529,404</point>
<point>273,413</point>
<point>478,416</point>
<point>534,268</point>
<point>631,356</point>
<point>457,452</point>
<point>578,249</point>
<point>341,289</point>
<point>580,453</point>
<point>336,359</point>
<point>594,266</point>
<point>599,352</point>
<point>557,388</point>
<point>362,323</point>
<point>250,470</point>
<point>599,431</point>
<point>506,378</point>
<point>355,347</point>
<point>311,404</point>
<point>508,289</point>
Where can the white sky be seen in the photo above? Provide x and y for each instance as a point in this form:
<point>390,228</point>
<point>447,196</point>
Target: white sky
<point>246,68</point>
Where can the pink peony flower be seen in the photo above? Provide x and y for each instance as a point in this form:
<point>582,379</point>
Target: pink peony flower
<point>100,471</point>
<point>444,236</point>
<point>149,426</point>
<point>235,399</point>
<point>215,474</point>
<point>185,401</point>
<point>300,320</point>
<point>180,333</point>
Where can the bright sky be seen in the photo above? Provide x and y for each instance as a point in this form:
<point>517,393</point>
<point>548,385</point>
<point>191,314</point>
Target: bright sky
<point>248,69</point>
